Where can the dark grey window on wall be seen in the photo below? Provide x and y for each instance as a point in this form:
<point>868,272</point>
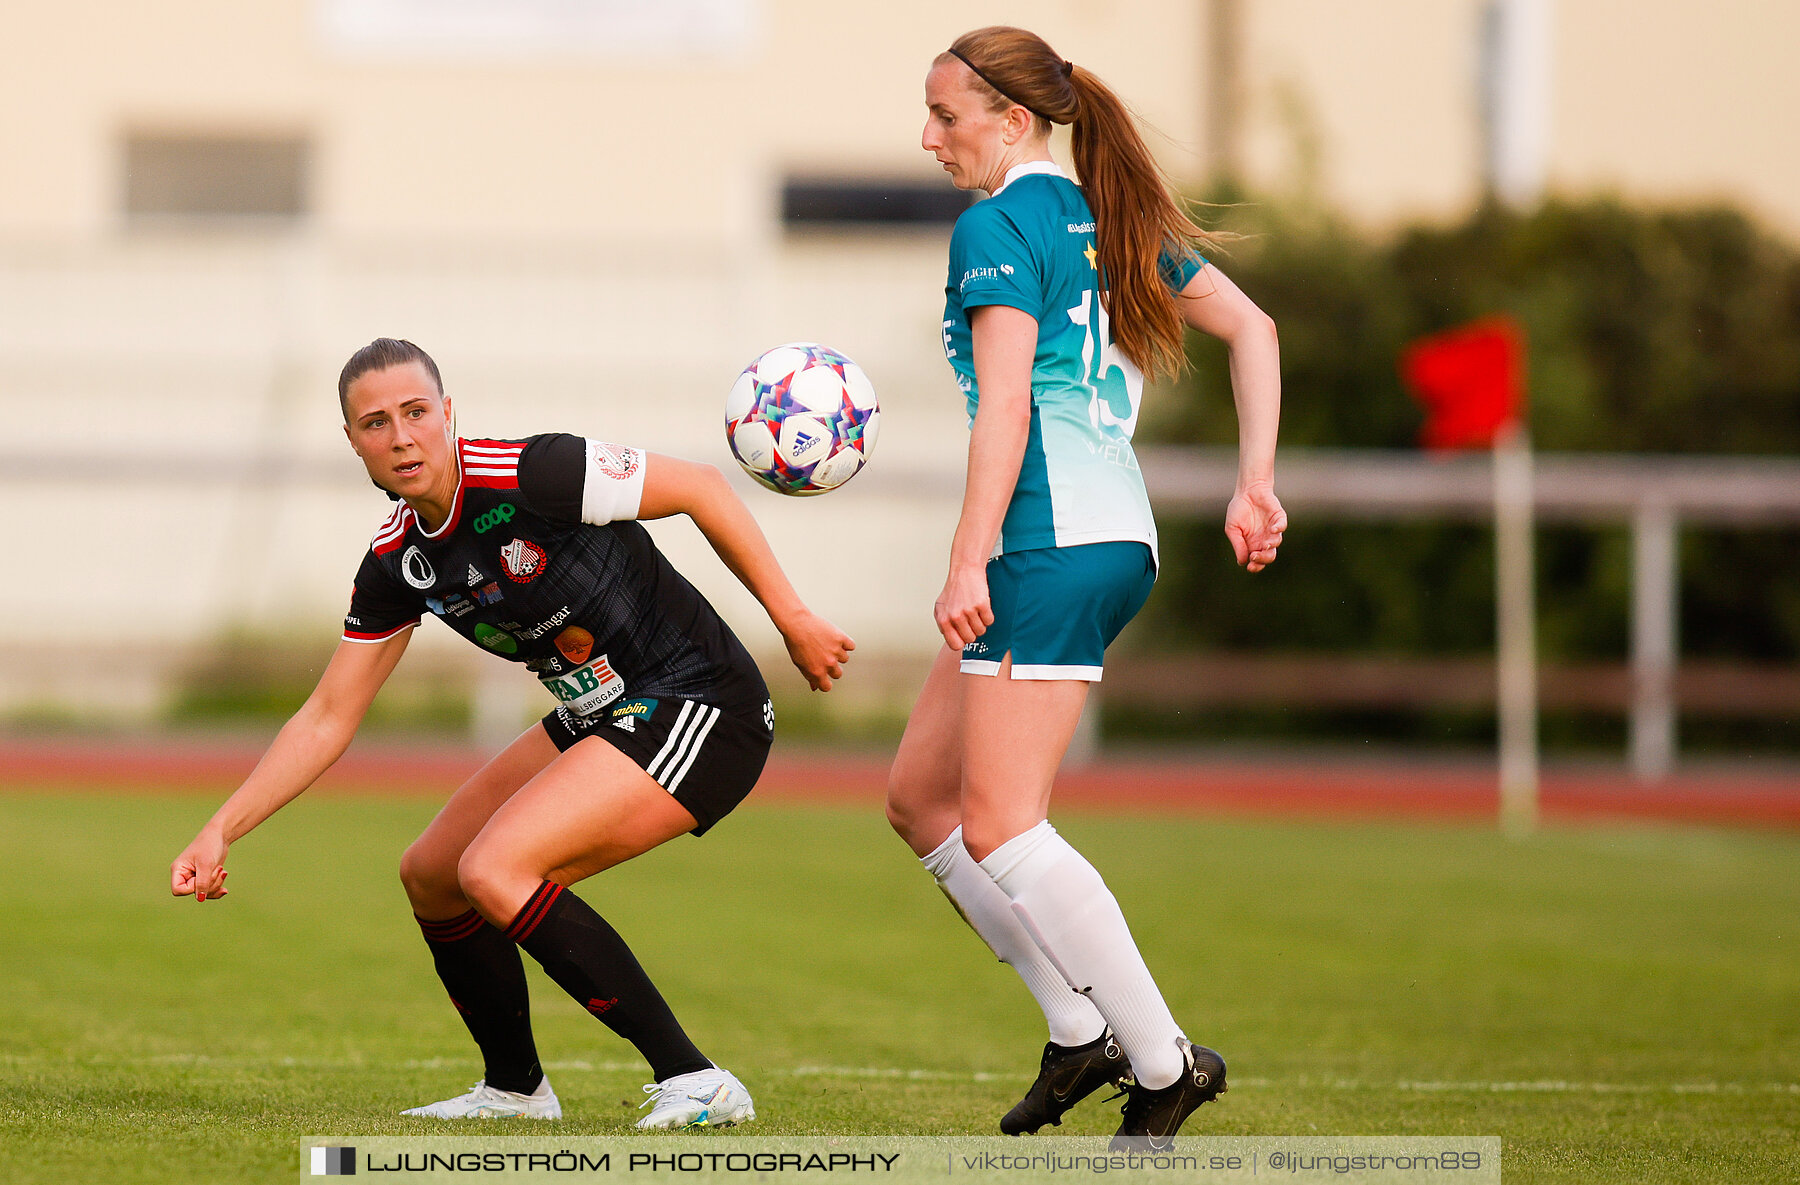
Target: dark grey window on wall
<point>852,202</point>
<point>197,177</point>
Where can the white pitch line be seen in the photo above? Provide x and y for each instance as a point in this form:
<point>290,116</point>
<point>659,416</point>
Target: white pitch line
<point>897,1072</point>
<point>1558,1087</point>
<point>914,1074</point>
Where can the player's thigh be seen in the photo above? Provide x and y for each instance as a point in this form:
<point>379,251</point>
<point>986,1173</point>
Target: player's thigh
<point>591,808</point>
<point>925,781</point>
<point>1014,735</point>
<point>431,860</point>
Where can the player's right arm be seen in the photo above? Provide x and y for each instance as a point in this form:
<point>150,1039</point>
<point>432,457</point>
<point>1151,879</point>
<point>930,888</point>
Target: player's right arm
<point>1002,294</point>
<point>1004,339</point>
<point>306,747</point>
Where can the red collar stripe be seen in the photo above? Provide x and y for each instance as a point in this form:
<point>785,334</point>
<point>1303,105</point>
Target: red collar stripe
<point>491,464</point>
<point>393,531</point>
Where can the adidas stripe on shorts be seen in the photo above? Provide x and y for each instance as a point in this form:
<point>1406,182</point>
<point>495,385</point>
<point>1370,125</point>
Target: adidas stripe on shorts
<point>706,756</point>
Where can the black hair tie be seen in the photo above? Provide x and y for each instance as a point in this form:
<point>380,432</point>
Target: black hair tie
<point>1000,90</point>
<point>1068,68</point>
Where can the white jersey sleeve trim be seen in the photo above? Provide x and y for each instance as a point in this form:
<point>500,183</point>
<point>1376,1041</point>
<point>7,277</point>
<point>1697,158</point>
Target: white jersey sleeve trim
<point>612,483</point>
<point>371,639</point>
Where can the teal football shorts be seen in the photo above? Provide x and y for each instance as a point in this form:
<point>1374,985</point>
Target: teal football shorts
<point>1057,609</point>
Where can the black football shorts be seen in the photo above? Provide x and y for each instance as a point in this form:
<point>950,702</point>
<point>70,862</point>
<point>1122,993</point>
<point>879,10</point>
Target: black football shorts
<point>706,756</point>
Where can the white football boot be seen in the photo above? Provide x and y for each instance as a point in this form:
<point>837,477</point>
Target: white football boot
<point>705,1098</point>
<point>489,1102</point>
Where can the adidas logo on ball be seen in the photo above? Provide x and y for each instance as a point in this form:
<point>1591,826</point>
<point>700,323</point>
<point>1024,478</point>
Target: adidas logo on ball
<point>802,419</point>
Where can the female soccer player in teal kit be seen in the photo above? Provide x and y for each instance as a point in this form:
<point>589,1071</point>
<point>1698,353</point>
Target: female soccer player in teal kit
<point>1059,299</point>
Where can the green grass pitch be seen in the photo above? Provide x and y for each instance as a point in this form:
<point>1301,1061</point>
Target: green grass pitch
<point>1618,1004</point>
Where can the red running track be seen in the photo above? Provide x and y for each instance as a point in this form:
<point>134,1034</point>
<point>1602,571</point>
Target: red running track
<point>1722,797</point>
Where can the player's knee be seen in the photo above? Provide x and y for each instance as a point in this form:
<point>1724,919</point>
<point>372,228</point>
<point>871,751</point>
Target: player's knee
<point>910,813</point>
<point>899,815</point>
<point>426,874</point>
<point>476,873</point>
<point>981,836</point>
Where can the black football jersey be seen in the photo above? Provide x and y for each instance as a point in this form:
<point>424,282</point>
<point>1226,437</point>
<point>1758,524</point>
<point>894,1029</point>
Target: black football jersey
<point>593,609</point>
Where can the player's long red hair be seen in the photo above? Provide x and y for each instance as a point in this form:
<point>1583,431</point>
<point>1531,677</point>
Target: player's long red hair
<point>1136,216</point>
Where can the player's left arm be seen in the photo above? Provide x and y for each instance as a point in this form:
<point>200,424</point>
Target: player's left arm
<point>674,486</point>
<point>1211,303</point>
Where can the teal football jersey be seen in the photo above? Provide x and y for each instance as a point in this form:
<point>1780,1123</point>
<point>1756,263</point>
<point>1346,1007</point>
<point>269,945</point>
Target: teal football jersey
<point>1031,246</point>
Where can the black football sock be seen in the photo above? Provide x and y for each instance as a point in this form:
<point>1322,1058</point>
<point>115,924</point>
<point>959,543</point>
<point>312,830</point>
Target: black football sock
<point>485,977</point>
<point>588,959</point>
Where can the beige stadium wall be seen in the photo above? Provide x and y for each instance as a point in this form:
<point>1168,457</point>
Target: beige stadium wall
<point>657,149</point>
<point>586,244</point>
<point>1366,108</point>
<point>1372,106</point>
<point>1681,103</point>
<point>591,243</point>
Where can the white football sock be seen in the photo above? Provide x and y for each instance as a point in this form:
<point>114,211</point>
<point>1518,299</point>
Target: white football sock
<point>1068,910</point>
<point>1072,1018</point>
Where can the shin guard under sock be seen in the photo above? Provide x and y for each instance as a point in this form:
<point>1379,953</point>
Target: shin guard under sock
<point>1070,1015</point>
<point>482,971</point>
<point>587,959</point>
<point>1071,914</point>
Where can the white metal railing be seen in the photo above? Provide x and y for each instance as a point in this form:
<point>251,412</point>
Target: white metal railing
<point>1653,494</point>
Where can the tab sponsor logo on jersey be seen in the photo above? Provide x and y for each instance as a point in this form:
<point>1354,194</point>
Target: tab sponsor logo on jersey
<point>496,640</point>
<point>499,515</point>
<point>617,463</point>
<point>548,624</point>
<point>523,560</point>
<point>586,689</point>
<point>491,595</point>
<point>1081,228</point>
<point>416,568</point>
<point>454,605</point>
<point>575,644</point>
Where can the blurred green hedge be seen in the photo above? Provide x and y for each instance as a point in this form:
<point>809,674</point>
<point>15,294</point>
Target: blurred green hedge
<point>1649,331</point>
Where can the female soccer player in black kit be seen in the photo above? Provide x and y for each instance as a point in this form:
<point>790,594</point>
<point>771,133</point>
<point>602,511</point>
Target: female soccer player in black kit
<point>530,549</point>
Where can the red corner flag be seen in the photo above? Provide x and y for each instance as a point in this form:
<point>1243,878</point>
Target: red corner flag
<point>1470,379</point>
